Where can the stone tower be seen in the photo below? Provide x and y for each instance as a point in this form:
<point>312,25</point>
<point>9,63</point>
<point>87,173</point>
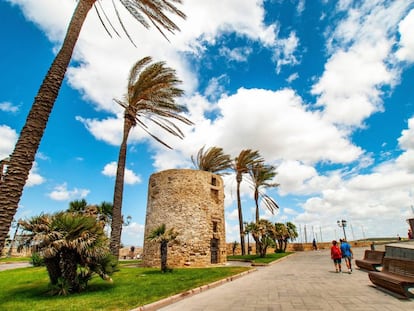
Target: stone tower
<point>191,202</point>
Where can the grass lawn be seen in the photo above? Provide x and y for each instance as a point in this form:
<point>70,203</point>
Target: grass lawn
<point>257,259</point>
<point>27,288</point>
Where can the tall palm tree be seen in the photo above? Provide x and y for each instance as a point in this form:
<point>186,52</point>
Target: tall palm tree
<point>212,160</point>
<point>261,176</point>
<point>241,165</point>
<point>146,12</point>
<point>151,94</point>
<point>163,236</point>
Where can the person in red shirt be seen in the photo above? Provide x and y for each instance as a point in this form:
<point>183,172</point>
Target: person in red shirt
<point>336,256</point>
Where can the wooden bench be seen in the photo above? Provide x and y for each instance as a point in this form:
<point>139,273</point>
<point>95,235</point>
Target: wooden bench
<point>397,275</point>
<point>371,261</point>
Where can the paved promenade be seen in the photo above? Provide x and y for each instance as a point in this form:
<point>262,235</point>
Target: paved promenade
<point>303,281</point>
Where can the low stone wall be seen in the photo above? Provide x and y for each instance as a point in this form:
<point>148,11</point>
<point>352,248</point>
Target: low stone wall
<point>296,247</point>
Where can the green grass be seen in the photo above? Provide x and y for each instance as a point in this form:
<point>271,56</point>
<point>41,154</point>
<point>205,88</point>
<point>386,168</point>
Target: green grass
<point>27,288</point>
<point>257,259</point>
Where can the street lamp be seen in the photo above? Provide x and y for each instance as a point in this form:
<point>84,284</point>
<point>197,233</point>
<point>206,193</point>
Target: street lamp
<point>342,224</point>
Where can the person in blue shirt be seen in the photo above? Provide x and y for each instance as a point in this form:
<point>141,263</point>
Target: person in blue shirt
<point>347,254</point>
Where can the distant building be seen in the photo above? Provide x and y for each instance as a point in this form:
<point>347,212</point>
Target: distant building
<point>191,202</point>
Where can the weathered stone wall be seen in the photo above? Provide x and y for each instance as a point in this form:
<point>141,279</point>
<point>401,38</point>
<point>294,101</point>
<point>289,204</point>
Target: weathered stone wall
<point>191,202</point>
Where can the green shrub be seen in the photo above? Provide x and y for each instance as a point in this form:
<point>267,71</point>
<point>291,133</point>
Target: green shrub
<point>37,260</point>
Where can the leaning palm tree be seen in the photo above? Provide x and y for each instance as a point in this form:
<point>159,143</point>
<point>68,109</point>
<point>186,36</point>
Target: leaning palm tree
<point>212,160</point>
<point>241,165</point>
<point>152,90</point>
<point>163,236</point>
<point>261,176</point>
<point>146,12</point>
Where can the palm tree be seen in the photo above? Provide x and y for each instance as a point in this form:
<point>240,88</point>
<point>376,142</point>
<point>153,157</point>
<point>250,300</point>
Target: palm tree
<point>213,160</point>
<point>163,236</point>
<point>69,241</point>
<point>281,232</point>
<point>261,175</point>
<point>292,232</point>
<point>241,165</point>
<point>146,12</point>
<point>263,233</point>
<point>150,97</point>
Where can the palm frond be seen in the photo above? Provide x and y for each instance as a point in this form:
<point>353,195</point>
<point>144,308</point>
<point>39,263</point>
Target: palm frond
<point>212,160</point>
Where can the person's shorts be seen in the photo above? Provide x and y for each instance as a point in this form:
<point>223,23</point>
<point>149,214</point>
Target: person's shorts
<point>347,258</point>
<point>337,260</point>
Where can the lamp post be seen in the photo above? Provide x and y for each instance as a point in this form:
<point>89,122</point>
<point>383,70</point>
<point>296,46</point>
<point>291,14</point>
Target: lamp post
<point>342,224</point>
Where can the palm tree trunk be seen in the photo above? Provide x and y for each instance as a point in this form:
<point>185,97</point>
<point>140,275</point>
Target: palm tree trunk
<point>164,255</point>
<point>116,225</point>
<point>239,208</point>
<point>53,269</point>
<point>256,200</point>
<point>21,160</point>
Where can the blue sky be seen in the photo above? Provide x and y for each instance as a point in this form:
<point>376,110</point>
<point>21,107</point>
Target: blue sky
<point>323,89</point>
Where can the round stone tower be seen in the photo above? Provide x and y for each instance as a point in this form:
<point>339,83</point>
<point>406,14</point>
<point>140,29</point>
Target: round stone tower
<point>191,202</point>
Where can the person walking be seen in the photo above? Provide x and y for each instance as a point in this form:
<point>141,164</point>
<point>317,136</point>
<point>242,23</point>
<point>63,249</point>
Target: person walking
<point>336,256</point>
<point>347,254</point>
<point>314,245</point>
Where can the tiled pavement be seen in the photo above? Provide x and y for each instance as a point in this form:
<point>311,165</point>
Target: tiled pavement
<point>303,281</point>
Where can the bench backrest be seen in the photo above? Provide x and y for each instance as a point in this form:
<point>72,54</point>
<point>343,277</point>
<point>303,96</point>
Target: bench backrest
<point>399,266</point>
<point>370,254</point>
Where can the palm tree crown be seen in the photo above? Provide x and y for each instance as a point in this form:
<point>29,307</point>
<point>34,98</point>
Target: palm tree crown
<point>213,160</point>
<point>261,175</point>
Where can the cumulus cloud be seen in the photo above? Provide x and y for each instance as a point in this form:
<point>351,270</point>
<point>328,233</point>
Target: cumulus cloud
<point>406,50</point>
<point>7,141</point>
<point>35,178</point>
<point>8,107</point>
<point>62,193</point>
<point>130,177</point>
<point>361,64</point>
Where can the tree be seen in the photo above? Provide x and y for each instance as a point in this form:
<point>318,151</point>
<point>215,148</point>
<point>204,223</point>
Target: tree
<point>163,236</point>
<point>281,234</point>
<point>263,233</point>
<point>261,174</point>
<point>74,247</point>
<point>151,95</point>
<point>213,160</point>
<point>292,232</point>
<point>146,12</point>
<point>241,165</point>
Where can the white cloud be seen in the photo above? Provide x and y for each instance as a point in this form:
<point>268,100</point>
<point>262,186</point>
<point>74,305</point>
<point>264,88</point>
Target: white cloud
<point>8,107</point>
<point>7,141</point>
<point>62,193</point>
<point>285,51</point>
<point>240,54</point>
<point>35,178</point>
<point>130,177</point>
<point>133,234</point>
<point>361,61</point>
<point>406,50</point>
